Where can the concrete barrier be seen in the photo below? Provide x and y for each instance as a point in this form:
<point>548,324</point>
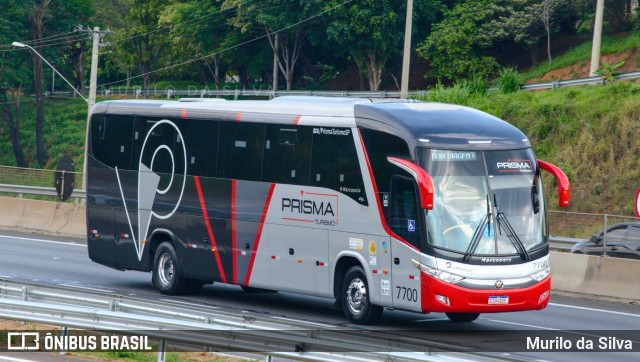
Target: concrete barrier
<point>616,278</point>
<point>43,217</point>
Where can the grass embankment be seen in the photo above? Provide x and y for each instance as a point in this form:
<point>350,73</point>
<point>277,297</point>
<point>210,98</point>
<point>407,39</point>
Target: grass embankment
<point>580,56</point>
<point>64,132</point>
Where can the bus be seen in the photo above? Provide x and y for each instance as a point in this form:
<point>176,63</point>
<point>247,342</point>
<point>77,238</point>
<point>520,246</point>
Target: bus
<point>417,206</point>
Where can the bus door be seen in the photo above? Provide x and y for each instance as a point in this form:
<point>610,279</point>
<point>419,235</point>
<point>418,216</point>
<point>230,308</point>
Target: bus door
<point>293,262</point>
<point>405,221</point>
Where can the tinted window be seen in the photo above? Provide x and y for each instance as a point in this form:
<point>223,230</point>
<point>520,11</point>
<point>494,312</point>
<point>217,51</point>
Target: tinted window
<point>111,140</point>
<point>379,146</point>
<point>616,235</point>
<point>202,146</point>
<point>241,151</point>
<point>163,151</point>
<point>633,234</point>
<point>334,162</point>
<point>403,215</point>
<point>287,154</point>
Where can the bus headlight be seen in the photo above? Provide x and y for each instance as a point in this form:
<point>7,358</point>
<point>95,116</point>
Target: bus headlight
<point>539,276</point>
<point>438,274</point>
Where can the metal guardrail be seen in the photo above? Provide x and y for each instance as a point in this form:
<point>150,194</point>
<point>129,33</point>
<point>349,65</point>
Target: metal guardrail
<point>196,92</point>
<point>168,322</point>
<point>37,190</point>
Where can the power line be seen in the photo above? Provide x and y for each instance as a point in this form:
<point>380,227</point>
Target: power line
<point>185,22</point>
<point>48,38</point>
<point>228,48</point>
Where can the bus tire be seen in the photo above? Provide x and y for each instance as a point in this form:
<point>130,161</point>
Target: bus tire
<point>165,276</point>
<point>463,317</point>
<point>355,297</point>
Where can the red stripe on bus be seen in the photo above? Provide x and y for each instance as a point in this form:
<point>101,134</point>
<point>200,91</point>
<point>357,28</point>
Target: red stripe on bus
<point>375,190</point>
<point>209,230</point>
<point>233,230</point>
<point>238,116</point>
<point>259,234</point>
<point>184,113</point>
<point>295,121</point>
<point>292,219</point>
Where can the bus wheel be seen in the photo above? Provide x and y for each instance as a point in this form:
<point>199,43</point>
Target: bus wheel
<point>355,298</point>
<point>165,271</point>
<point>463,317</point>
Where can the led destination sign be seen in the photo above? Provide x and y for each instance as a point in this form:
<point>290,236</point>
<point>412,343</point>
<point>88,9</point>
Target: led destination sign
<point>438,155</point>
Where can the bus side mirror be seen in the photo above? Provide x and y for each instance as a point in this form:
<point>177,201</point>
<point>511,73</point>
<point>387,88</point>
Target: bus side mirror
<point>564,189</point>
<point>425,184</point>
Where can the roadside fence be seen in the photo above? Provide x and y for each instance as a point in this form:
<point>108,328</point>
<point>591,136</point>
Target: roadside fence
<point>267,92</point>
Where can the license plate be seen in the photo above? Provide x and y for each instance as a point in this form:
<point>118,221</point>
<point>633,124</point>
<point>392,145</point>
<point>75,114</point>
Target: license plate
<point>502,299</point>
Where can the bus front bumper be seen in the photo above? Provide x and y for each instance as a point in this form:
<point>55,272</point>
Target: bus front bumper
<point>443,297</point>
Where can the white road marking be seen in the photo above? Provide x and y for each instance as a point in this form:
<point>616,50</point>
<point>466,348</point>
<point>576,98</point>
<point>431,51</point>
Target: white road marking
<point>43,240</point>
<point>5,358</point>
<point>521,324</point>
<point>595,310</point>
<point>87,288</point>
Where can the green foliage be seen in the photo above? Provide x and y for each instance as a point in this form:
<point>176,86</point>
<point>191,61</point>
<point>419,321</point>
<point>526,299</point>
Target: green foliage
<point>477,85</point>
<point>509,80</point>
<point>609,71</point>
<point>455,47</point>
<point>457,94</point>
<point>581,130</point>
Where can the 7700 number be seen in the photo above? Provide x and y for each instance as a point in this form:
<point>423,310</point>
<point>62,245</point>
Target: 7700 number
<point>409,294</point>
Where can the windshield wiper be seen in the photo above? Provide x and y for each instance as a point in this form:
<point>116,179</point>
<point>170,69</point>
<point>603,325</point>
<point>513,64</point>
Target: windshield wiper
<point>477,234</point>
<point>502,221</point>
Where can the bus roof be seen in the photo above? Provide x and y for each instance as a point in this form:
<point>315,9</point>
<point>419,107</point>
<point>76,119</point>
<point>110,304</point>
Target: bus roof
<point>424,124</point>
<point>440,125</point>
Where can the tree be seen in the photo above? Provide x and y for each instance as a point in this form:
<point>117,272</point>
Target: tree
<point>456,47</point>
<point>143,37</point>
<point>373,31</point>
<point>38,15</point>
<point>198,28</point>
<point>13,74</point>
<point>52,17</point>
<point>283,22</point>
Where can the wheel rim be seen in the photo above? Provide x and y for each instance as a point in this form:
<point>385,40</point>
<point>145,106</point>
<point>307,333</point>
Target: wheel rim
<point>357,296</point>
<point>166,269</point>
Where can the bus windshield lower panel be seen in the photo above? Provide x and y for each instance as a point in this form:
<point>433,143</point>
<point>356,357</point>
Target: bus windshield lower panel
<point>486,202</point>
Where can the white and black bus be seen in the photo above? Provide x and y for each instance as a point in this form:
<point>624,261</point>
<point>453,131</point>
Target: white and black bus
<point>424,207</point>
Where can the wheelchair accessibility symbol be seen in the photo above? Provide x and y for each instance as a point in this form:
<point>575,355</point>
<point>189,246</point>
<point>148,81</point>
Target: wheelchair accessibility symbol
<point>411,225</point>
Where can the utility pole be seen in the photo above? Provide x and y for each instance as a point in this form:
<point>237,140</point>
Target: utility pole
<point>597,38</point>
<point>406,53</point>
<point>96,35</point>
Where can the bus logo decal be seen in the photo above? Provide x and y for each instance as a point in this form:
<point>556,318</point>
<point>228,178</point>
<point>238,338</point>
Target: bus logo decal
<point>321,209</point>
<point>148,182</point>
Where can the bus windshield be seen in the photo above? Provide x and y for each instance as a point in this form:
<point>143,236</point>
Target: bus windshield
<point>486,202</point>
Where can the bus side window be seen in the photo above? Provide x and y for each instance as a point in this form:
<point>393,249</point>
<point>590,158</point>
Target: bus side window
<point>202,146</point>
<point>334,163</point>
<point>404,216</point>
<point>156,135</point>
<point>287,154</point>
<point>241,151</point>
<point>111,140</point>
